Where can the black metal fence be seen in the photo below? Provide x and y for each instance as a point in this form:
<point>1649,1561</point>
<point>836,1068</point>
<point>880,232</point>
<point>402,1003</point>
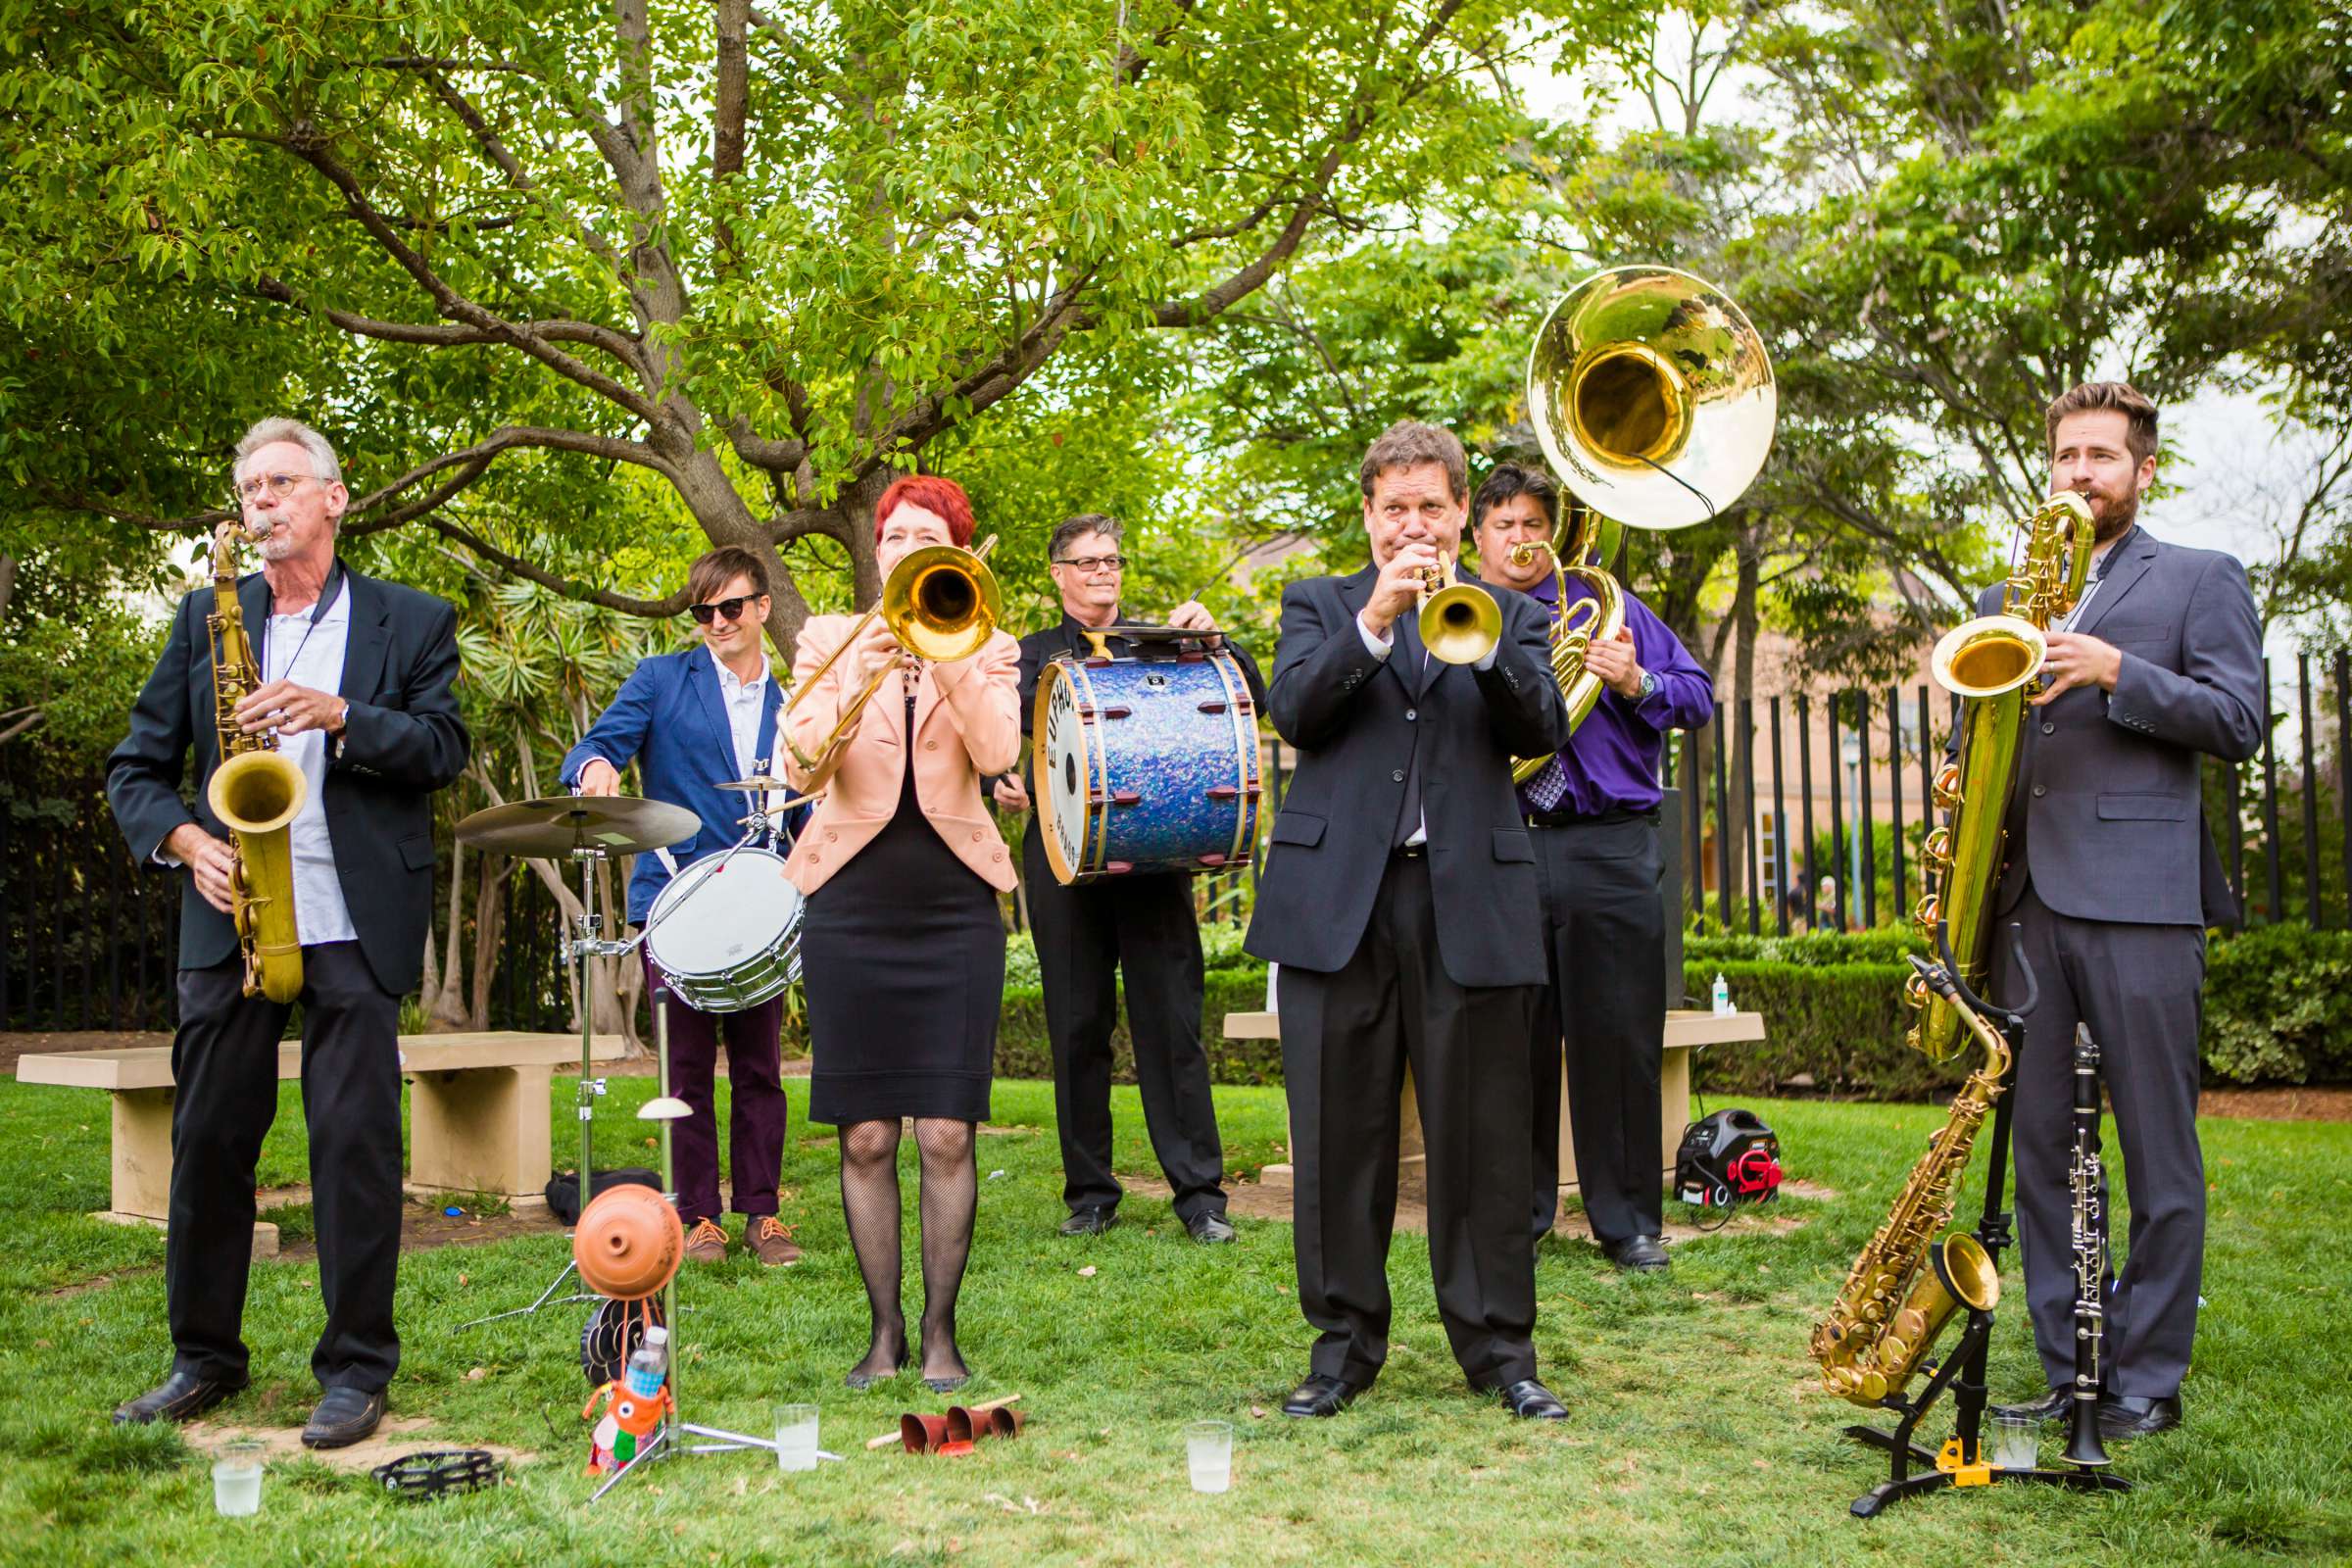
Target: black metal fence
<point>1776,851</point>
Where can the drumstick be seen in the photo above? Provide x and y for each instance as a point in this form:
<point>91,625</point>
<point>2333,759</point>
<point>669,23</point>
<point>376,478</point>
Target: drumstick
<point>892,1435</point>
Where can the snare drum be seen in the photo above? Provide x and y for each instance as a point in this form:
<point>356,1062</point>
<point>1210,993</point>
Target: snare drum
<point>1145,764</point>
<point>725,933</point>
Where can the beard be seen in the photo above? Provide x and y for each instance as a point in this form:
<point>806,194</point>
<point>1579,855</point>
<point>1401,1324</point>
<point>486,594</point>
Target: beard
<point>2112,515</point>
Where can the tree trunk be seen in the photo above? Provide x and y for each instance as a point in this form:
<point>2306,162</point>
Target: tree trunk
<point>489,927</point>
<point>1742,779</point>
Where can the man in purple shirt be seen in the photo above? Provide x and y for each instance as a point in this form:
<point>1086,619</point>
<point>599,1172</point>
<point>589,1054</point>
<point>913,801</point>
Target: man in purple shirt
<point>1592,815</point>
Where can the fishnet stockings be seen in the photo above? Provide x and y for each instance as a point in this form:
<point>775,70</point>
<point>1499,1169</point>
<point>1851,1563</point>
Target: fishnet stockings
<point>948,1202</point>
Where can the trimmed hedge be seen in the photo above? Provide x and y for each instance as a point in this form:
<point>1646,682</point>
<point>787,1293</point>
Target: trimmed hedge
<point>1024,1052</point>
<point>2278,1009</point>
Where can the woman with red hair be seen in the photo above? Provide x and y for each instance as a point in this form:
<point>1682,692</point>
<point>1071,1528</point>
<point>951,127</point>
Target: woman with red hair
<point>902,949</point>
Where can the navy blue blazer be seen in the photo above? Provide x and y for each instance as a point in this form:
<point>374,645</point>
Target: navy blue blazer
<point>671,720</point>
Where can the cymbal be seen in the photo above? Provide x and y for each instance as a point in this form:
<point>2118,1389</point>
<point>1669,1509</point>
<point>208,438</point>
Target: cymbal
<point>757,784</point>
<point>615,824</point>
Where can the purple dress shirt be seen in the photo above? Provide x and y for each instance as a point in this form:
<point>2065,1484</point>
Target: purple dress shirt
<point>1613,761</point>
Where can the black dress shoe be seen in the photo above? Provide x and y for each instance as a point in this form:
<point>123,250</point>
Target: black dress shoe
<point>1209,1226</point>
<point>1321,1395</point>
<point>181,1396</point>
<point>1090,1221</point>
<point>2123,1417</point>
<point>2051,1406</point>
<point>1531,1401</point>
<point>1639,1255</point>
<point>343,1418</point>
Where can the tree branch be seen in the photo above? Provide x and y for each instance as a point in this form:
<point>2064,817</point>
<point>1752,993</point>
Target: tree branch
<point>311,148</point>
<point>651,608</point>
<point>619,345</point>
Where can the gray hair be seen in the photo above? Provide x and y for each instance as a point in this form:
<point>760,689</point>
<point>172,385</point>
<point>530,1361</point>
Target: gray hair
<point>1409,444</point>
<point>1084,524</point>
<point>271,432</point>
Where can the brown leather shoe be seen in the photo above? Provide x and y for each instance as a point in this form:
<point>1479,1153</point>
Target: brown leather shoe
<point>772,1238</point>
<point>706,1243</point>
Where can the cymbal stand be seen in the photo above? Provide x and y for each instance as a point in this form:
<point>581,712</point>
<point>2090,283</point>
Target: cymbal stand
<point>579,949</point>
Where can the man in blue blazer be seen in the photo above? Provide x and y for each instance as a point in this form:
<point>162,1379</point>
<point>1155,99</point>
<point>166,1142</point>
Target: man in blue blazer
<point>692,722</point>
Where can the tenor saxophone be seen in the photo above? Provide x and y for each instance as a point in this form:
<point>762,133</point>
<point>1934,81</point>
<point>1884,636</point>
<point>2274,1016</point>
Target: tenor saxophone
<point>1906,1284</point>
<point>1992,664</point>
<point>256,792</point>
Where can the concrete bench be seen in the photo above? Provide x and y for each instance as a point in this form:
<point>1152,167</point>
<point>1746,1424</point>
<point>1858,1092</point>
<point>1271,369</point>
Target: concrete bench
<point>479,1112</point>
<point>1686,1031</point>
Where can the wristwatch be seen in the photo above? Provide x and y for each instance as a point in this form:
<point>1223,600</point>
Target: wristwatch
<point>1649,684</point>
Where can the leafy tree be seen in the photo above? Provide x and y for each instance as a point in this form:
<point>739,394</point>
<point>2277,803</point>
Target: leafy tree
<point>762,257</point>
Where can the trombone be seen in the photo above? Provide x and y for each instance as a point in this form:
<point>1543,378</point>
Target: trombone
<point>940,603</point>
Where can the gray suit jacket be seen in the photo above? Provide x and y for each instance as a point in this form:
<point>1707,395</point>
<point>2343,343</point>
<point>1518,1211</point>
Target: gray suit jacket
<point>2108,804</point>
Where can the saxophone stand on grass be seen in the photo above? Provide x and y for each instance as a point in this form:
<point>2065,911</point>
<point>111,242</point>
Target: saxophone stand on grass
<point>1962,1461</point>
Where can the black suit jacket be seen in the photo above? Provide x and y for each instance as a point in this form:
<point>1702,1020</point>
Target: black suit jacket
<point>402,739</point>
<point>1359,724</point>
<point>2108,818</point>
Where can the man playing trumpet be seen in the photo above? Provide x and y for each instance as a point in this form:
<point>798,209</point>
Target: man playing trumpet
<point>1398,895</point>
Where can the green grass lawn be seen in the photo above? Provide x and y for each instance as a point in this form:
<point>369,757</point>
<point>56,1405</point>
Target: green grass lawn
<point>1696,1430</point>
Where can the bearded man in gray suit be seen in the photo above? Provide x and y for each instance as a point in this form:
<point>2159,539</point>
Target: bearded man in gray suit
<point>2113,879</point>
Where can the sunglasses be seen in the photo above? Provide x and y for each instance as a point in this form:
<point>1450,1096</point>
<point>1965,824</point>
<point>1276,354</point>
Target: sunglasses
<point>725,609</point>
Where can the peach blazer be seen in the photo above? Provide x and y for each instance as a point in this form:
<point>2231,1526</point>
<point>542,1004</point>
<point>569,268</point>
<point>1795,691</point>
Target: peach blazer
<point>967,721</point>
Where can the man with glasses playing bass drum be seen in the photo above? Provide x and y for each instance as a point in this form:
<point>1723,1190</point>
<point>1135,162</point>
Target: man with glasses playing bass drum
<point>1141,925</point>
<point>692,722</point>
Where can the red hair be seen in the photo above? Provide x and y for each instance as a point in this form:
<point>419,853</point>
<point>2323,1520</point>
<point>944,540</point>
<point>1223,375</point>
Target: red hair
<point>933,494</point>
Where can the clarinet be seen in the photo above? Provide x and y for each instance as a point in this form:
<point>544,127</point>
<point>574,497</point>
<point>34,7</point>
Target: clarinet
<point>2083,1443</point>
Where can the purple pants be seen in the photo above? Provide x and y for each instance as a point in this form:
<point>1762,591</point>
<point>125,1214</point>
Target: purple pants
<point>757,1113</point>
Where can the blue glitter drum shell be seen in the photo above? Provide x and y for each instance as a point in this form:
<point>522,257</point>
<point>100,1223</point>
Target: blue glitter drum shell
<point>1145,765</point>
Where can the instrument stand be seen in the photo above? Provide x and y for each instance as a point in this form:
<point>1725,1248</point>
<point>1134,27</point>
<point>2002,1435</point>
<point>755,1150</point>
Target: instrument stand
<point>1962,1462</point>
<point>668,1442</point>
<point>578,951</point>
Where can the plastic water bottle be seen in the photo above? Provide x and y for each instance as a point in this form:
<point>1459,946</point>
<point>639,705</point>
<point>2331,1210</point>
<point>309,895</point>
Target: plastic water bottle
<point>1723,996</point>
<point>649,1364</point>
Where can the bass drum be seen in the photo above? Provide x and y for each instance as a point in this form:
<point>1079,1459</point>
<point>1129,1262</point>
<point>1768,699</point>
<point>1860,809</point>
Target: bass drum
<point>1145,764</point>
<point>725,933</point>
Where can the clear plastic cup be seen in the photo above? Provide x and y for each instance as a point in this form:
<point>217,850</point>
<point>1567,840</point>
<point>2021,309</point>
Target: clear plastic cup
<point>2016,1442</point>
<point>1209,1447</point>
<point>796,1437</point>
<point>237,1478</point>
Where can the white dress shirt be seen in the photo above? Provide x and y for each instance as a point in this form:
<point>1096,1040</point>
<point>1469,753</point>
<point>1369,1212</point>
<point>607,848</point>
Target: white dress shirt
<point>744,700</point>
<point>311,655</point>
<point>1378,646</point>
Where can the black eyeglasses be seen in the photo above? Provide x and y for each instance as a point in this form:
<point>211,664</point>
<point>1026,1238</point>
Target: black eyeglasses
<point>728,608</point>
<point>1090,565</point>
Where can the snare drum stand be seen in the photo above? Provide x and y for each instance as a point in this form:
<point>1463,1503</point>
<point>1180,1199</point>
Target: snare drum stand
<point>578,951</point>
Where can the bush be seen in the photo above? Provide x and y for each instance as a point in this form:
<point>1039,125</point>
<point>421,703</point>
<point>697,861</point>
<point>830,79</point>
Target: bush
<point>2277,1007</point>
<point>1838,1026</point>
<point>1023,1050</point>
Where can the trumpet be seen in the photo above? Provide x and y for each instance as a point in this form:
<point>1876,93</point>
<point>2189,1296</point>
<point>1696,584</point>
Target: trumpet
<point>940,603</point>
<point>1459,621</point>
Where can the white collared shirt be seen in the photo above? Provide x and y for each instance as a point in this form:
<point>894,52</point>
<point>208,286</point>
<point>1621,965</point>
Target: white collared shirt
<point>314,660</point>
<point>1379,647</point>
<point>743,700</point>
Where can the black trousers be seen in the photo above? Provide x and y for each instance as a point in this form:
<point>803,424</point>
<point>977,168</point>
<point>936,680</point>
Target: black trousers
<point>225,1066</point>
<point>2140,987</point>
<point>1604,942</point>
<point>1086,937</point>
<point>1346,1037</point>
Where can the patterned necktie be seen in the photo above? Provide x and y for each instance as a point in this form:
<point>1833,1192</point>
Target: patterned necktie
<point>1547,789</point>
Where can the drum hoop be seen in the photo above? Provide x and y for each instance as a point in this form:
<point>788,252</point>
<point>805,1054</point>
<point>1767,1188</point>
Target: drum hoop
<point>1040,769</point>
<point>1095,845</point>
<point>701,871</point>
<point>1237,708</point>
